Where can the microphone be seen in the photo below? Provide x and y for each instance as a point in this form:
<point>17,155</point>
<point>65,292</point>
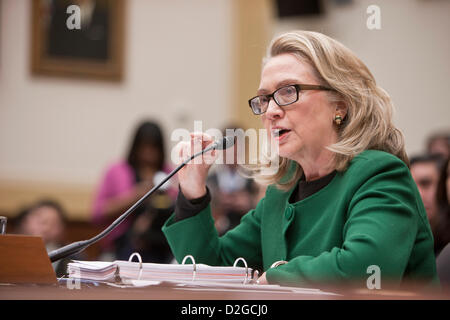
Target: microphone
<point>79,246</point>
<point>158,177</point>
<point>225,143</point>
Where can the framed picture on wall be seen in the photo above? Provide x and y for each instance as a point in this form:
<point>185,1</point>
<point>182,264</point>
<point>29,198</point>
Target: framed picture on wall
<point>78,38</point>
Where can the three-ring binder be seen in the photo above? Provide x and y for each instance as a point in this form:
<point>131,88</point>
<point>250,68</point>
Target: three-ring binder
<point>248,278</point>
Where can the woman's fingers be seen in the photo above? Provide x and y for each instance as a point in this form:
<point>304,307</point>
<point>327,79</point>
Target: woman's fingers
<point>181,152</point>
<point>192,178</point>
<point>198,142</point>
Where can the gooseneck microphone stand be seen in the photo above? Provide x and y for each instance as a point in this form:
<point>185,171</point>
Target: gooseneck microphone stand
<point>79,246</point>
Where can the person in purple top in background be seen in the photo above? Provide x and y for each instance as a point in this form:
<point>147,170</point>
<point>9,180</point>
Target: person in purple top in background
<point>125,182</point>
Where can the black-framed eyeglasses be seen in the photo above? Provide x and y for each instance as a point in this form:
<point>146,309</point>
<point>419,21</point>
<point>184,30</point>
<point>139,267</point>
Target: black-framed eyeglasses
<point>283,96</point>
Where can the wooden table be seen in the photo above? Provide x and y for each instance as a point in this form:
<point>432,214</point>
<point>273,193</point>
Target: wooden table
<point>165,302</point>
<point>169,292</point>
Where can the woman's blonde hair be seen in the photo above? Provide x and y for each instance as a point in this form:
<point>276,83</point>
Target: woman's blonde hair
<point>368,122</point>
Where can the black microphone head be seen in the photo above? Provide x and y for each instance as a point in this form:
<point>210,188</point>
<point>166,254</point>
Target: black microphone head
<point>226,142</point>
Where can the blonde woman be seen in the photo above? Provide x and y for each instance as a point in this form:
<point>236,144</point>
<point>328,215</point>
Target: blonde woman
<point>343,199</point>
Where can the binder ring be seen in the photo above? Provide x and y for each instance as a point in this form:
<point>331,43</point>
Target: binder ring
<point>255,277</point>
<point>194,271</point>
<point>278,263</point>
<point>130,259</point>
<point>246,268</point>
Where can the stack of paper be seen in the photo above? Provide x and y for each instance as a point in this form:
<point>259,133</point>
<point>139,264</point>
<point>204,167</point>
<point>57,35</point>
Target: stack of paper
<point>118,271</point>
<point>92,270</point>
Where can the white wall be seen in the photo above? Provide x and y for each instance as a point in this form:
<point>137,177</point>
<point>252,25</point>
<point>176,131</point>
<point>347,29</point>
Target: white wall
<point>64,130</point>
<point>409,56</point>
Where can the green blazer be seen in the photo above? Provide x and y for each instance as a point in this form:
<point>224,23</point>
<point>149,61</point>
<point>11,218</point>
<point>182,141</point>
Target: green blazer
<point>370,214</point>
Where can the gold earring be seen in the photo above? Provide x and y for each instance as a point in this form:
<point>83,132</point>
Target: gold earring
<point>338,120</point>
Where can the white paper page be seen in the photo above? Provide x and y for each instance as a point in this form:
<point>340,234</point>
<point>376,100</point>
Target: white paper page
<point>92,265</point>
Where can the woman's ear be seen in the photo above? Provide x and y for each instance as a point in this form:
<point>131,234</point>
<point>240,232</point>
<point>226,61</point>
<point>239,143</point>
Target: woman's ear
<point>341,109</point>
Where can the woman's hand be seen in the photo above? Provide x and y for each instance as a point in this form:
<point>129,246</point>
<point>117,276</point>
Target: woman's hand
<point>262,279</point>
<point>192,177</point>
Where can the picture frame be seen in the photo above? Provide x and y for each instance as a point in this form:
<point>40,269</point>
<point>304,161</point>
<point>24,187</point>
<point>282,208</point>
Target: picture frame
<point>78,38</point>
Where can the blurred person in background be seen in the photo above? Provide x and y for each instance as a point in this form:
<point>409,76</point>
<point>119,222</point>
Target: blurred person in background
<point>425,170</point>
<point>442,226</point>
<point>125,182</point>
<point>441,223</point>
<point>439,143</point>
<point>233,194</point>
<point>46,219</point>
